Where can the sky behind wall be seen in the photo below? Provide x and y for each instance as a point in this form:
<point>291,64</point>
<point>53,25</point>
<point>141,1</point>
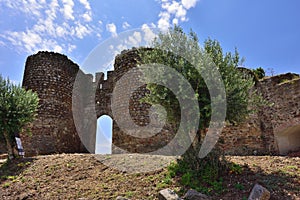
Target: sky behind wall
<point>266,33</point>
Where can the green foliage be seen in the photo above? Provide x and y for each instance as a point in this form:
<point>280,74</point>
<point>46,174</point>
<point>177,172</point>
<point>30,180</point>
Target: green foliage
<point>205,181</point>
<point>6,185</point>
<point>239,186</point>
<point>186,179</point>
<point>259,72</point>
<point>182,52</point>
<point>129,194</point>
<point>235,168</point>
<point>17,108</point>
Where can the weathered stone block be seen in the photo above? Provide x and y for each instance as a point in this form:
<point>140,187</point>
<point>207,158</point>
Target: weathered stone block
<point>167,194</point>
<point>259,193</point>
<point>194,195</point>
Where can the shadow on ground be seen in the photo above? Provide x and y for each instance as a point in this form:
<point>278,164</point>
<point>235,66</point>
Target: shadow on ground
<point>11,169</point>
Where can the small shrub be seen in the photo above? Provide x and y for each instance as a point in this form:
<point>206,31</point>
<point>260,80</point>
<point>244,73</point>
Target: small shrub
<point>23,180</point>
<point>167,179</point>
<point>205,180</point>
<point>186,179</point>
<point>218,185</point>
<point>235,168</point>
<point>161,185</point>
<point>129,194</point>
<point>239,186</point>
<point>23,164</point>
<point>6,185</point>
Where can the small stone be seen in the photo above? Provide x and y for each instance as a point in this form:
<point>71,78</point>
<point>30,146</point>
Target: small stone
<point>121,198</point>
<point>259,193</point>
<point>167,194</point>
<point>194,195</point>
<point>24,196</point>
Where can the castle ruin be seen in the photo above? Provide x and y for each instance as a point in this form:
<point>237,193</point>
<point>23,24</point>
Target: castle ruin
<point>273,130</point>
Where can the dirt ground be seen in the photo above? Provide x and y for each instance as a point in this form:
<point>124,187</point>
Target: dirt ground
<point>82,176</point>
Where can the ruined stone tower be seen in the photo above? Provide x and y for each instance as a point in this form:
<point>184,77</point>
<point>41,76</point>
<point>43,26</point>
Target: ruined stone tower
<point>51,75</point>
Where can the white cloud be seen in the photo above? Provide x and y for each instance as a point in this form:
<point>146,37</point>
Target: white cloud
<point>30,7</point>
<point>174,11</point>
<point>125,25</point>
<point>68,9</point>
<point>135,39</point>
<point>181,13</point>
<point>175,21</point>
<point>32,42</point>
<point>189,3</point>
<point>87,16</point>
<point>60,31</point>
<point>112,29</point>
<point>2,43</point>
<point>120,48</point>
<point>149,35</point>
<point>81,31</point>
<point>164,21</point>
<point>51,11</point>
<point>57,48</point>
<point>71,47</point>
<point>86,4</point>
<point>59,23</point>
<point>99,36</point>
<point>171,7</point>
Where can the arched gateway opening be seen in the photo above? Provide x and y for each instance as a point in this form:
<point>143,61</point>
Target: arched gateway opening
<point>289,139</point>
<point>104,135</point>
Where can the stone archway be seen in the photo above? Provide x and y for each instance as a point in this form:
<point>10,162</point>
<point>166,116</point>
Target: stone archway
<point>288,139</point>
<point>104,135</point>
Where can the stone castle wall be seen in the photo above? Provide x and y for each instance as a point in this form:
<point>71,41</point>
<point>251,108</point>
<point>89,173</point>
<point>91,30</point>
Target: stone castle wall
<point>283,92</point>
<point>264,131</point>
<point>51,75</point>
<point>142,140</point>
<point>54,77</point>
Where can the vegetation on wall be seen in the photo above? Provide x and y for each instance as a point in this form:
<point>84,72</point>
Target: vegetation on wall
<point>259,72</point>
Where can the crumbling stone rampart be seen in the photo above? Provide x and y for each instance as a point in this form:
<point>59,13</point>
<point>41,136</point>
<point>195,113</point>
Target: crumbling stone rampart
<point>53,76</point>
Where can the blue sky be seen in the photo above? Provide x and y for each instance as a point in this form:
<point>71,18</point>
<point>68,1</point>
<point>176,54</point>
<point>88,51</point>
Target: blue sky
<point>266,33</point>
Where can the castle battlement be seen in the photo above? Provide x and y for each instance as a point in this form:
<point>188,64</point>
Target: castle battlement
<point>55,78</point>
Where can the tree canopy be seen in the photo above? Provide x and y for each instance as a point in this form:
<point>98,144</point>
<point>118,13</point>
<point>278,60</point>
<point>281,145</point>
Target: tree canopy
<point>183,53</point>
<point>17,108</point>
<point>209,71</point>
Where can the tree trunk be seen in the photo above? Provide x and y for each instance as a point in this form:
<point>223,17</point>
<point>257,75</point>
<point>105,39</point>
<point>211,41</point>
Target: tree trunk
<point>9,146</point>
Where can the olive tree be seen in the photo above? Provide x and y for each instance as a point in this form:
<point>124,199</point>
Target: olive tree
<point>17,108</point>
<point>183,53</point>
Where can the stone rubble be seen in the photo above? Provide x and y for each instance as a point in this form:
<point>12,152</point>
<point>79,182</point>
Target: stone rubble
<point>259,193</point>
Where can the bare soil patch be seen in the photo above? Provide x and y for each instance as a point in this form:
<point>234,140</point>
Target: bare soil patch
<point>82,176</point>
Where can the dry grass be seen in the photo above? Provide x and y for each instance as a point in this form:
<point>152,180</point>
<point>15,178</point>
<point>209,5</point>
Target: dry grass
<point>81,176</point>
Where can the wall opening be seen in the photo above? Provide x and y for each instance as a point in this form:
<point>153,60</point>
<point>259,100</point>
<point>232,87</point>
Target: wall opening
<point>104,135</point>
<point>288,140</point>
